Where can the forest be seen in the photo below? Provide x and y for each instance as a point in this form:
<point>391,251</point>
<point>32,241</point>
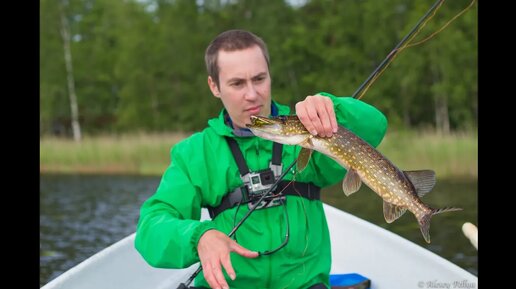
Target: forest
<point>119,66</point>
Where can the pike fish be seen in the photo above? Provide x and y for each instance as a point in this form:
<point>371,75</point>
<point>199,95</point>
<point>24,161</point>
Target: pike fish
<point>400,190</point>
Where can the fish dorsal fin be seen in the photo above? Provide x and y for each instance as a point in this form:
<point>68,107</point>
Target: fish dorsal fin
<point>303,158</point>
<point>392,212</point>
<point>423,180</point>
<point>351,182</point>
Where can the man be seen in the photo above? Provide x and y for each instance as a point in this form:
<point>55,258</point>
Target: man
<point>204,172</point>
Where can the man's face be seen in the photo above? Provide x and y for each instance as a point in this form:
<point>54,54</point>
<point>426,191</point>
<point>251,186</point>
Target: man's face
<point>244,84</point>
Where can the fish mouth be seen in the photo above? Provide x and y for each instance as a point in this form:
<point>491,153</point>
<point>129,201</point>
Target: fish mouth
<point>259,121</point>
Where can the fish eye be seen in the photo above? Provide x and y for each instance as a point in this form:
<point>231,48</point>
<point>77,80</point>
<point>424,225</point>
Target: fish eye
<point>283,118</point>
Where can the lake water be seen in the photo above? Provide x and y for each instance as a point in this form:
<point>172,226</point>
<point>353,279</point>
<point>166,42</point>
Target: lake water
<point>82,214</point>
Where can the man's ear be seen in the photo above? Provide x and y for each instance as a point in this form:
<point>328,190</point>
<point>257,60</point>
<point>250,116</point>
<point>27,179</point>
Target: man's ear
<point>213,87</point>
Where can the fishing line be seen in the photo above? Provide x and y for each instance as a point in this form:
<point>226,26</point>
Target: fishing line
<point>367,83</point>
<point>394,53</point>
<point>404,43</point>
<point>284,243</point>
<point>233,231</point>
<point>287,229</point>
<point>379,70</point>
<point>307,226</point>
<point>442,28</point>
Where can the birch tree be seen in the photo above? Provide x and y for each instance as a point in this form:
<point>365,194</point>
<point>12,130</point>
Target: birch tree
<point>65,33</point>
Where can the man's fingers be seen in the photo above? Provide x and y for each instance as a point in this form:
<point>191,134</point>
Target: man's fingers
<point>317,115</point>
<point>314,119</point>
<point>214,249</point>
<point>331,114</point>
<point>302,113</point>
<point>333,120</point>
<point>226,263</point>
<point>221,280</point>
<point>209,275</point>
<point>321,107</point>
<point>242,251</point>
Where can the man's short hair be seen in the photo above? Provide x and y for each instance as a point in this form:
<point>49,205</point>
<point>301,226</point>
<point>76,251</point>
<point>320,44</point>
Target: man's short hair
<point>231,40</point>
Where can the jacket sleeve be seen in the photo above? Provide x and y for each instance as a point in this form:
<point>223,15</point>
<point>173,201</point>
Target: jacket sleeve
<point>362,119</point>
<point>169,228</point>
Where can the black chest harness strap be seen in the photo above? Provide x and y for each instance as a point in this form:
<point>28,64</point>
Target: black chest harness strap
<point>241,194</point>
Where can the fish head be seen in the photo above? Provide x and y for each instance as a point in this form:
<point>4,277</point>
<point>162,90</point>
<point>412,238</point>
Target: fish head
<point>282,129</point>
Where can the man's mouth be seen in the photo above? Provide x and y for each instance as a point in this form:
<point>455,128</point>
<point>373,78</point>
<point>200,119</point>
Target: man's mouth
<point>254,110</point>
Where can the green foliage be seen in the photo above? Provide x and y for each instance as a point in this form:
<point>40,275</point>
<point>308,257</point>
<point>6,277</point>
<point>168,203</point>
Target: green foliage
<point>53,91</point>
<point>139,65</point>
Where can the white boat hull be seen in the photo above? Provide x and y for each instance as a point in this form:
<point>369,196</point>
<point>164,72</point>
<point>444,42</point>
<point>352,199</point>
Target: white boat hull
<point>388,260</point>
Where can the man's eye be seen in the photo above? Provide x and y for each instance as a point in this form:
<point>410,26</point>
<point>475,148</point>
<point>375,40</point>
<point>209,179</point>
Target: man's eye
<point>237,84</point>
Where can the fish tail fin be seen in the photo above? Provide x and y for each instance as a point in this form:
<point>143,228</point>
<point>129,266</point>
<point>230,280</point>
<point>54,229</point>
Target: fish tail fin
<point>424,221</point>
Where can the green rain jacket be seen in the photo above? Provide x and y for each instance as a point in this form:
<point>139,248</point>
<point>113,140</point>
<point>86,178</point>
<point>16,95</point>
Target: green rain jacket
<point>203,170</point>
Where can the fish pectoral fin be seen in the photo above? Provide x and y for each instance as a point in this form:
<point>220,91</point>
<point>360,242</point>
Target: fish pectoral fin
<point>392,212</point>
<point>423,180</point>
<point>303,158</point>
<point>351,182</point>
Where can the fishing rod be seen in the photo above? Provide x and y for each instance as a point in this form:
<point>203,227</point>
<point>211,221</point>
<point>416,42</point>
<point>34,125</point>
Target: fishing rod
<point>273,187</point>
<point>253,207</point>
<point>384,62</point>
<point>395,50</point>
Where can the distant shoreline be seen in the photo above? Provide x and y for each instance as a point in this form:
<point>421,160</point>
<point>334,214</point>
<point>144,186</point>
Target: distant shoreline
<point>450,156</point>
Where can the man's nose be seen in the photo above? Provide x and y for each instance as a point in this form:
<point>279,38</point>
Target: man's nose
<point>251,93</point>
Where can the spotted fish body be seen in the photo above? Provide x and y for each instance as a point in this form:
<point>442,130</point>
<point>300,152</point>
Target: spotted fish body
<point>400,190</point>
